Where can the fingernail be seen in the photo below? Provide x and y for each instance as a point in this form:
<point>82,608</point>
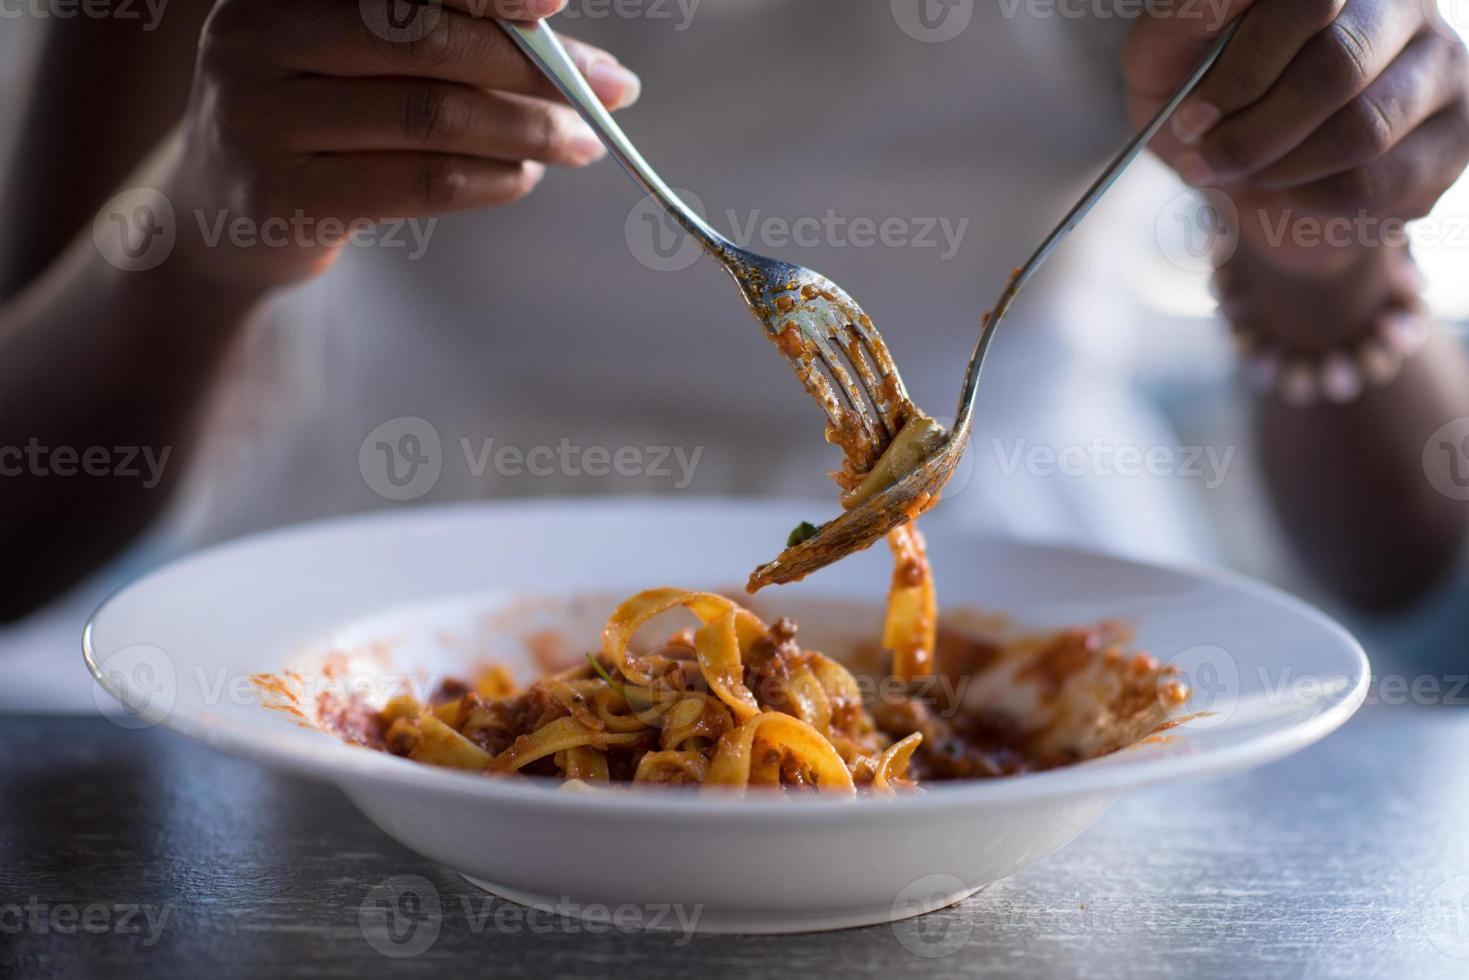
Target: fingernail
<point>617,87</point>
<point>1195,171</point>
<point>544,8</point>
<point>1193,120</point>
<point>584,144</point>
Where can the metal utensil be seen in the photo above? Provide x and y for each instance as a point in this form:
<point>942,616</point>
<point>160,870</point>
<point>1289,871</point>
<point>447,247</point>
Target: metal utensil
<point>835,350</point>
<point>914,492</point>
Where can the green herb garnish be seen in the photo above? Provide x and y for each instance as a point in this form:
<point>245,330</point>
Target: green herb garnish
<point>615,685</point>
<point>804,532</point>
<point>597,666</point>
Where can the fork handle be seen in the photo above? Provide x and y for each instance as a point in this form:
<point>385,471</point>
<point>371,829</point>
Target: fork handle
<point>1077,214</point>
<point>1125,158</point>
<point>547,53</point>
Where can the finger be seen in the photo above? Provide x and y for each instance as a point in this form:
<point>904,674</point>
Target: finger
<point>1405,183</point>
<point>1332,69</point>
<point>1426,78</point>
<point>1270,39</point>
<point>509,9</point>
<point>329,115</point>
<point>1164,48</point>
<point>379,186</point>
<point>332,37</point>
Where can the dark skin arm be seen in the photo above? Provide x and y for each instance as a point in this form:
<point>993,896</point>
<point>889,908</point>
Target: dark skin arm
<point>1347,481</point>
<point>257,110</point>
<point>1320,110</point>
<point>77,336</point>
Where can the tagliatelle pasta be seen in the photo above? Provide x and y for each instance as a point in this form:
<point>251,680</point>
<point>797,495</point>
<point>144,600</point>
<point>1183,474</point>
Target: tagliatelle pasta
<point>768,746</point>
<point>685,711</point>
<point>735,705</point>
<point>910,627</point>
<point>718,643</point>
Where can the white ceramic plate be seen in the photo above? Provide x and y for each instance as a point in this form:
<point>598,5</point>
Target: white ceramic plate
<point>179,646</point>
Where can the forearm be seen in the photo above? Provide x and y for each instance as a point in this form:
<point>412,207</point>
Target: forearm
<point>103,373</point>
<point>1348,479</point>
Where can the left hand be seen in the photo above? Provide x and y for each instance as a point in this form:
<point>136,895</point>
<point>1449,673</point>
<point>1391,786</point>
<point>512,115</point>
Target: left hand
<point>1320,108</point>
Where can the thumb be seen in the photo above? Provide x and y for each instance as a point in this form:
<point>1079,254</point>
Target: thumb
<point>1165,47</point>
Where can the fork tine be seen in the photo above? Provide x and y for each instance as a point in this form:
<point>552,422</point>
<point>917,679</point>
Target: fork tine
<point>851,332</point>
<point>872,386</point>
<point>803,354</point>
<point>875,436</point>
<point>836,354</point>
<point>891,395</point>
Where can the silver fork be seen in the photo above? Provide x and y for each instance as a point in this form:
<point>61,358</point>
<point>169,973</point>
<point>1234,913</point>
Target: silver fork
<point>781,294</point>
<point>835,350</point>
<point>913,490</point>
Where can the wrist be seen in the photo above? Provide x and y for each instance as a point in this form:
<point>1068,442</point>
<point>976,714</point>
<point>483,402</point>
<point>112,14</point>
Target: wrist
<point>1325,338</point>
<point>149,235</point>
<point>1313,313</point>
<point>224,241</point>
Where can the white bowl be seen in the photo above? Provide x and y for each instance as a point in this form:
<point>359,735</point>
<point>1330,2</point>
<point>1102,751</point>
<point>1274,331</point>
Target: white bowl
<point>179,647</point>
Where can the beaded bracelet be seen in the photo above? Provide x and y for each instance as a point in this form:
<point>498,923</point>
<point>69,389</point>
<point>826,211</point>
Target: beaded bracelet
<point>1339,376</point>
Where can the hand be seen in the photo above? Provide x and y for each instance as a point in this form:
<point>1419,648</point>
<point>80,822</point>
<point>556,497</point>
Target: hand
<point>320,113</point>
<point>1319,109</point>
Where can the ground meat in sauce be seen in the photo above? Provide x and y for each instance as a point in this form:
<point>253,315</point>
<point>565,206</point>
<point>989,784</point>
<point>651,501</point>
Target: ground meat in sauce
<point>956,744</point>
<point>768,663</point>
<point>351,721</point>
<point>910,574</point>
<point>494,725</point>
<point>1065,656</point>
<point>956,747</point>
<point>449,689</point>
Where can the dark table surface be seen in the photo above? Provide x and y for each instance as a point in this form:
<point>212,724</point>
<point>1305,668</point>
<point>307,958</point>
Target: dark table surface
<point>126,853</point>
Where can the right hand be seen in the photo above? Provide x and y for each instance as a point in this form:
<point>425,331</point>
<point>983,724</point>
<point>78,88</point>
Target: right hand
<point>317,111</point>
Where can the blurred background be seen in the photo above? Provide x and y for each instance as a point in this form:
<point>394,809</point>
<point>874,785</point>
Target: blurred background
<point>916,169</point>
